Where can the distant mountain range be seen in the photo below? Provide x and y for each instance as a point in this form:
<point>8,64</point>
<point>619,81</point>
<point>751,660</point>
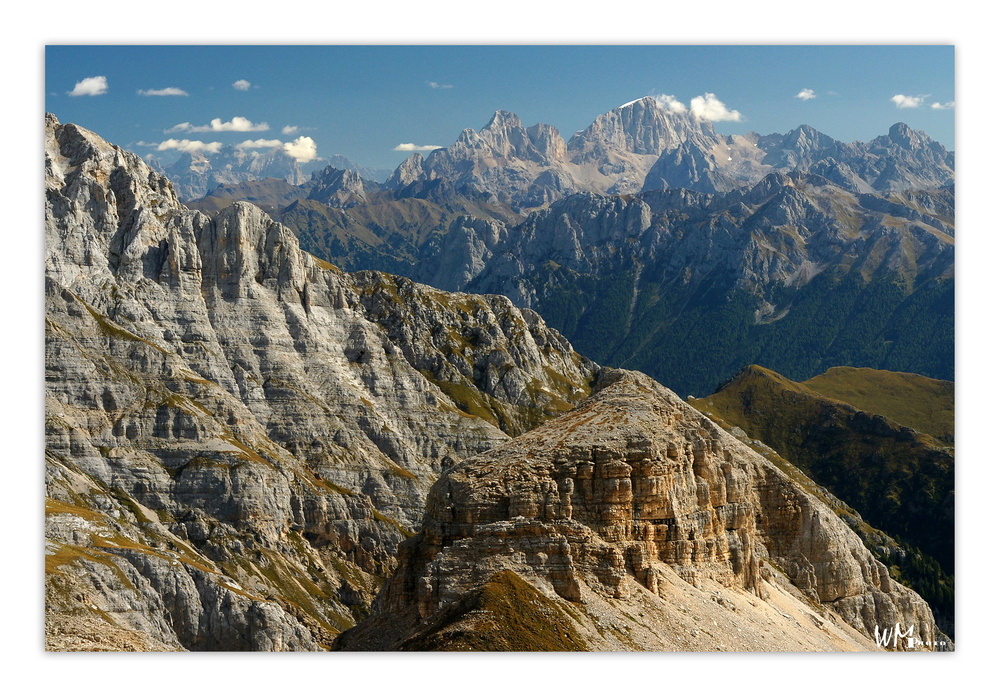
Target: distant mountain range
<point>794,272</point>
<point>642,146</point>
<point>655,243</point>
<point>198,174</point>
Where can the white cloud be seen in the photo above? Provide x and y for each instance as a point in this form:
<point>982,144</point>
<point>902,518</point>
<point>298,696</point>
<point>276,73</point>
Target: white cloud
<point>186,145</point>
<point>946,105</point>
<point>413,147</point>
<point>439,86</point>
<point>303,149</point>
<point>237,123</point>
<point>90,87</point>
<point>242,85</point>
<point>259,143</point>
<point>670,103</point>
<point>806,94</point>
<point>165,92</point>
<point>289,130</point>
<point>904,101</point>
<point>711,108</point>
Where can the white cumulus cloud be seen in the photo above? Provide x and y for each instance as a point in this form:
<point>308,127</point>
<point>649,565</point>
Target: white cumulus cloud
<point>946,105</point>
<point>90,87</point>
<point>165,92</point>
<point>806,94</point>
<point>242,85</point>
<point>711,108</point>
<point>289,130</point>
<point>413,147</point>
<point>904,101</point>
<point>439,86</point>
<point>186,145</point>
<point>670,103</point>
<point>237,123</point>
<point>303,149</point>
<point>259,143</point>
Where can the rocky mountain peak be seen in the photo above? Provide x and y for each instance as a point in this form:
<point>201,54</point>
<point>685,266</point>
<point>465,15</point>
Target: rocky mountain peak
<point>807,137</point>
<point>503,119</point>
<point>408,171</point>
<point>337,188</point>
<point>505,136</point>
<point>547,141</point>
<point>906,137</point>
<point>641,127</point>
<point>688,166</point>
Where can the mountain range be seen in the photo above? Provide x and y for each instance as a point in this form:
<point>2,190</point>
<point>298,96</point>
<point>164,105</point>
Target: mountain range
<point>249,448</point>
<point>642,146</point>
<point>654,243</point>
<point>199,173</point>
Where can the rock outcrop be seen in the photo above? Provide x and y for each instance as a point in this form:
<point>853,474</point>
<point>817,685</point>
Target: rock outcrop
<point>339,188</point>
<point>238,435</point>
<point>894,475</point>
<point>633,505</point>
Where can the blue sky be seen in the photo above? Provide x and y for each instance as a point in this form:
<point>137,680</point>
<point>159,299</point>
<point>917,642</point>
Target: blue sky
<point>364,101</point>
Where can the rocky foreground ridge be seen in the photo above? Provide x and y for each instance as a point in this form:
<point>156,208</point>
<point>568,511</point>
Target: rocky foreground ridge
<point>859,433</point>
<point>632,522</point>
<point>238,435</point>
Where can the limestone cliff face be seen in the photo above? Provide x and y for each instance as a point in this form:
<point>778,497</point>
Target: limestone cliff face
<point>239,435</point>
<point>633,504</point>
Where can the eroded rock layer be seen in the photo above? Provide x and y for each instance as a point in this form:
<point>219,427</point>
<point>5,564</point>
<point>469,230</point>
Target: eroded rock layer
<point>633,505</point>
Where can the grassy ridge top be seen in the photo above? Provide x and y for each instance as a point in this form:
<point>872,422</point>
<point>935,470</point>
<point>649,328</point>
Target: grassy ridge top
<point>921,403</point>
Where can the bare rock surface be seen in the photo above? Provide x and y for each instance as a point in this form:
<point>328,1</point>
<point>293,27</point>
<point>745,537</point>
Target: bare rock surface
<point>632,522</point>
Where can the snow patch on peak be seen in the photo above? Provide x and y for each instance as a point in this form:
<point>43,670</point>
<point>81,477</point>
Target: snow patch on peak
<point>631,103</point>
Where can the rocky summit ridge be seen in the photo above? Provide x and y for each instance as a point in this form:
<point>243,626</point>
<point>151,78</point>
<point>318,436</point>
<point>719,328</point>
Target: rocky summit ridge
<point>632,522</point>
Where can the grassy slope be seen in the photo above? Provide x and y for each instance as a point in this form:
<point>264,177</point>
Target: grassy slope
<point>924,404</point>
<point>507,614</point>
